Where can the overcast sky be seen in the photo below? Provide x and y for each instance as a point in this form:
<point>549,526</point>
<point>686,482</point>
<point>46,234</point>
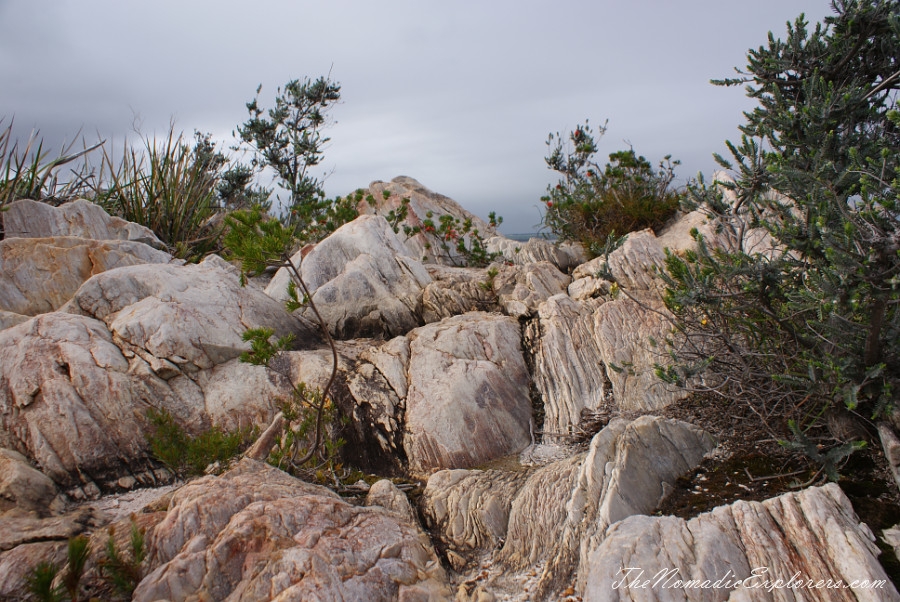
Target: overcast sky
<point>460,95</point>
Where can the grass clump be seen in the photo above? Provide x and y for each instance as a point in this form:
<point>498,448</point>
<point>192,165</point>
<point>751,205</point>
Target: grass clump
<point>123,570</point>
<point>189,455</point>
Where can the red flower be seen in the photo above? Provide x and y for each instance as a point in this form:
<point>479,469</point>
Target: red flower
<point>549,204</point>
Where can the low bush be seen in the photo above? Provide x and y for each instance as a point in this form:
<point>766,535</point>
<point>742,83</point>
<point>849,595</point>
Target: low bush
<point>591,204</point>
<point>189,455</point>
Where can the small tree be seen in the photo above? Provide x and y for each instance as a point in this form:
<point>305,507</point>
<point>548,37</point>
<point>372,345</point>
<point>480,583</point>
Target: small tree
<point>288,139</point>
<point>815,320</point>
<point>592,204</point>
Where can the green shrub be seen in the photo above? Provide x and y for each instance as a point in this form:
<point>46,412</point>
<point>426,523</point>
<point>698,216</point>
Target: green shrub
<point>812,327</point>
<point>590,204</point>
<point>189,455</point>
<point>123,570</point>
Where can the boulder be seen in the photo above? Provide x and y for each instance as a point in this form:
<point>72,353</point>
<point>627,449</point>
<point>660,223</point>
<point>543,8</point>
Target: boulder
<point>468,399</point>
<point>812,536</point>
<point>468,510</point>
<point>74,403</point>
<point>363,281</point>
<point>631,328</point>
<point>187,318</point>
<point>9,319</point>
<point>81,218</point>
<point>569,372</point>
<point>38,275</point>
<point>67,400</point>
<point>21,486</point>
<point>628,469</point>
<point>17,564</point>
<point>258,534</point>
<point>385,494</point>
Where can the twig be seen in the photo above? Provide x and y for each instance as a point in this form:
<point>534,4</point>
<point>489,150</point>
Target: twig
<point>770,477</point>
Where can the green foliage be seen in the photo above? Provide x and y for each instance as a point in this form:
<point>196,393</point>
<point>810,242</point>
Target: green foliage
<point>262,351</point>
<point>40,583</point>
<point>123,570</point>
<point>288,139</point>
<point>590,203</point>
<point>188,455</point>
<point>44,575</point>
<point>828,460</point>
<point>78,552</point>
<point>307,439</point>
<point>167,186</point>
<point>814,320</point>
<point>305,412</point>
<point>456,240</point>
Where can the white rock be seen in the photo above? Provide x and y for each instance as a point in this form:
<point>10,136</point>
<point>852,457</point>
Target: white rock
<point>468,399</point>
<point>362,279</point>
<point>81,218</point>
<point>38,275</point>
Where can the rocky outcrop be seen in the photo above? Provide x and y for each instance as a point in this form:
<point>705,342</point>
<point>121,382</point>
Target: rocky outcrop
<point>631,328</point>
<point>812,535</point>
<point>17,565</point>
<point>80,218</point>
<point>67,400</point>
<point>564,256</point>
<point>38,275</point>
<point>422,204</point>
<point>257,534</point>
<point>364,282</point>
<point>629,468</point>
<point>468,399</point>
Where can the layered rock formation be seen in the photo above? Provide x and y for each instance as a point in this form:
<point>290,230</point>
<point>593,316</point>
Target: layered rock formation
<point>441,371</point>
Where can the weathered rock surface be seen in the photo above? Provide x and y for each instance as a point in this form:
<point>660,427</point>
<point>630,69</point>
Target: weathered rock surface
<point>258,534</point>
<point>9,319</point>
<point>363,281</point>
<point>81,218</point>
<point>542,518</point>
<point>469,509</point>
<point>17,564</point>
<point>186,318</point>
<point>67,400</point>
<point>629,469</point>
<point>565,256</point>
<point>468,399</point>
<point>72,402</point>
<point>522,289</point>
<point>813,533</point>
<point>631,329</point>
<point>20,527</point>
<point>38,275</point>
<point>569,372</point>
<point>385,494</point>
<point>454,291</point>
<point>21,486</point>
